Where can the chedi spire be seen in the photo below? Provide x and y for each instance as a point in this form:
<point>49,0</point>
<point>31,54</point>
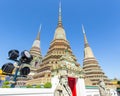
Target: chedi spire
<point>35,50</point>
<point>87,50</point>
<point>60,32</point>
<point>60,16</point>
<point>93,71</point>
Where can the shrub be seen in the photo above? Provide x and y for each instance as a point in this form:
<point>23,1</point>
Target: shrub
<point>5,84</point>
<point>37,86</point>
<point>48,85</point>
<point>29,86</point>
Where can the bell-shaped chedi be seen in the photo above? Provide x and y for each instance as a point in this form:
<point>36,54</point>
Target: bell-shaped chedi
<point>93,72</point>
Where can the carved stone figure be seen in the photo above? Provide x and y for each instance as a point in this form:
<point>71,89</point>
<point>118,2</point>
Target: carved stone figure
<point>103,89</point>
<point>63,88</point>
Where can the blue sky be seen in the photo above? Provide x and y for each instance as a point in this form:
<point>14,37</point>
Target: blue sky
<point>20,20</point>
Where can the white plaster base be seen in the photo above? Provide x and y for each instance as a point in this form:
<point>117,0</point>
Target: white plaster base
<point>80,87</point>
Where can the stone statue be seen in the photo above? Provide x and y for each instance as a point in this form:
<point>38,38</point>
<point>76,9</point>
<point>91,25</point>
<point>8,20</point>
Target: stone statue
<point>103,89</point>
<point>63,88</point>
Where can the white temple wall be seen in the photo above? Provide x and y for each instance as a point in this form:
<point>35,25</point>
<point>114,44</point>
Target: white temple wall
<point>92,92</point>
<point>80,87</point>
<point>41,92</point>
<point>30,91</point>
<point>54,81</point>
<point>26,92</point>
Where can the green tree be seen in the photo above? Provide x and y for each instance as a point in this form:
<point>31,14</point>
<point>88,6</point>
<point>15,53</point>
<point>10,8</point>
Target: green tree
<point>48,85</point>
